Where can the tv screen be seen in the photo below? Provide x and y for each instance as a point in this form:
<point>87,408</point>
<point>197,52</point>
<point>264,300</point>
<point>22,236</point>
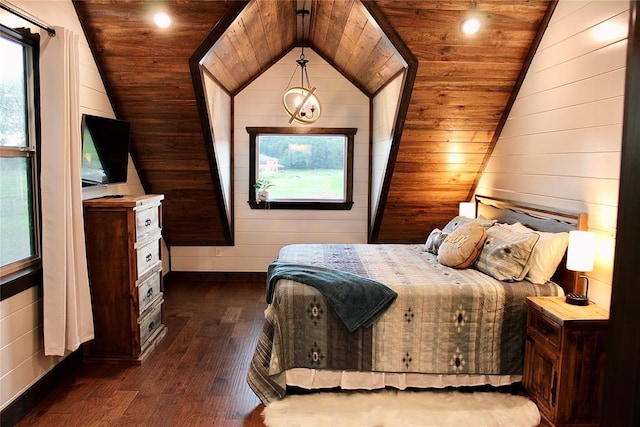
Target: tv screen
<point>105,150</point>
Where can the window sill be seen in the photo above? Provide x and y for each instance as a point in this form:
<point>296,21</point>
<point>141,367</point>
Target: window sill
<point>319,205</point>
<point>20,281</point>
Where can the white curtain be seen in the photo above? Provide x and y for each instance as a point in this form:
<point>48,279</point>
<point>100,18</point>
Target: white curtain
<point>68,320</point>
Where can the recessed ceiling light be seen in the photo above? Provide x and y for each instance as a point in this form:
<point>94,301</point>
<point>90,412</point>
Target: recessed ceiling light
<point>162,20</point>
<point>470,26</point>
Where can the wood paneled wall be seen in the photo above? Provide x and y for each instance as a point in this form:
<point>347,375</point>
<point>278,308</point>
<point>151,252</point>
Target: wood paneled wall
<point>461,94</point>
<point>561,143</point>
<point>259,234</point>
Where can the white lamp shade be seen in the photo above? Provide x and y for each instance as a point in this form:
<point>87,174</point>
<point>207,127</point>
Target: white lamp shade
<point>467,209</point>
<point>582,250</point>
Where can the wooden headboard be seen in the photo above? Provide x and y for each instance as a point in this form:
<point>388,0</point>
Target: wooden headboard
<point>538,218</point>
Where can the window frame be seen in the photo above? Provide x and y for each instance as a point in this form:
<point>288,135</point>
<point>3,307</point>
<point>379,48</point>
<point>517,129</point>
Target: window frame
<point>254,134</point>
<point>27,272</point>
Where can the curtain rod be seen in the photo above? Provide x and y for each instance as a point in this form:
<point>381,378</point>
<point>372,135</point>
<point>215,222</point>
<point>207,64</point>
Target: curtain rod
<point>9,9</point>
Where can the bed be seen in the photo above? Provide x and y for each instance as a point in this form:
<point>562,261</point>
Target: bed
<point>368,316</point>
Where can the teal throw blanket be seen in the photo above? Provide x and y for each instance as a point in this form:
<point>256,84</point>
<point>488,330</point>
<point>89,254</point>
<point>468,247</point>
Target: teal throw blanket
<point>357,300</point>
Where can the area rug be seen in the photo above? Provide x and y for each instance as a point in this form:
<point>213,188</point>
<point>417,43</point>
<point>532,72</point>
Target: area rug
<point>389,408</point>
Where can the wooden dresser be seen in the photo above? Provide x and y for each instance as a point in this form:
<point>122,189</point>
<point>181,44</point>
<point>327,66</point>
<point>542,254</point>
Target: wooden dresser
<point>125,276</point>
<point>564,360</point>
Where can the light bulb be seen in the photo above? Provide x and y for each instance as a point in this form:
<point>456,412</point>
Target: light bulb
<point>470,26</point>
<point>162,20</point>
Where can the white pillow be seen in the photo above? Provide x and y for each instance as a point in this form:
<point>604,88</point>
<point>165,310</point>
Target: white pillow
<point>547,253</point>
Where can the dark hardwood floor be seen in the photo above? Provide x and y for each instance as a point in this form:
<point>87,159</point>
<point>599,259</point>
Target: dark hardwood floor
<point>195,377</point>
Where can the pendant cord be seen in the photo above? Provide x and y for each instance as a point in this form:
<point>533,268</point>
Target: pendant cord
<point>302,61</point>
<point>303,13</point>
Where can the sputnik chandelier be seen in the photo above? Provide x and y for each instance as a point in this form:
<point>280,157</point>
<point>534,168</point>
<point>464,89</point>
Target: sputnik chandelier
<point>301,103</point>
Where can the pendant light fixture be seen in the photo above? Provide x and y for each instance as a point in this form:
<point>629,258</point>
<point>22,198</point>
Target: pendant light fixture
<point>301,103</point>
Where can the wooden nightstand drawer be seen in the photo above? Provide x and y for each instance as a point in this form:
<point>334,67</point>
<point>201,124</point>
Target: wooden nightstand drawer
<point>542,328</point>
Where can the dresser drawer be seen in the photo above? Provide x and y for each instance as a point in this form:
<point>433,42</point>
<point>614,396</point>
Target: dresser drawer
<point>149,290</point>
<point>147,222</point>
<point>541,327</point>
<point>148,256</point>
<point>150,323</point>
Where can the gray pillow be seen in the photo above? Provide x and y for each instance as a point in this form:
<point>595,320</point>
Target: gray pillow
<point>435,239</point>
<point>506,255</point>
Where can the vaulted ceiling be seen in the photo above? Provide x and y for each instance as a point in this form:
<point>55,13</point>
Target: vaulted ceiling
<point>463,89</point>
<point>342,32</point>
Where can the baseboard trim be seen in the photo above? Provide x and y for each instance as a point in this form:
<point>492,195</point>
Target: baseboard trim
<point>20,407</point>
<point>216,276</point>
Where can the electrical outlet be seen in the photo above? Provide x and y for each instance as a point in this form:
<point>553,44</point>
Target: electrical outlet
<point>218,251</point>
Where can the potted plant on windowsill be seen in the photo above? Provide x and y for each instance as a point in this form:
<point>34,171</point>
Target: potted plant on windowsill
<point>262,189</point>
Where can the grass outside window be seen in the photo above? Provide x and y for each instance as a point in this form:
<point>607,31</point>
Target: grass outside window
<point>307,168</point>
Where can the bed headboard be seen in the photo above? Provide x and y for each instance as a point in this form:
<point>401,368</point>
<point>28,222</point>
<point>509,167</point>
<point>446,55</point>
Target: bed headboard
<point>538,218</point>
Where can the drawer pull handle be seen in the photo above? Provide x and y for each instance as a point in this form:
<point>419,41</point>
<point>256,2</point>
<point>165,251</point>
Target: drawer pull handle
<point>147,222</point>
<point>151,325</point>
<point>544,328</point>
<point>149,257</point>
<point>149,292</point>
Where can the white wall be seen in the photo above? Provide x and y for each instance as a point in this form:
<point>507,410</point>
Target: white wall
<point>22,361</point>
<point>219,110</point>
<point>259,234</point>
<point>384,112</point>
<point>561,144</point>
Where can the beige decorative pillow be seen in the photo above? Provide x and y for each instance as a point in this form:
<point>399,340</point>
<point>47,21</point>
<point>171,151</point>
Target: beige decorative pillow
<point>461,248</point>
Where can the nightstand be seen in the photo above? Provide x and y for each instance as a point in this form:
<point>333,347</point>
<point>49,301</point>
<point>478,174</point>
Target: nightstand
<point>564,360</point>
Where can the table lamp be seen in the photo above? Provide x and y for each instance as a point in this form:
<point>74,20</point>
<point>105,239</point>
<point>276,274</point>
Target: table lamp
<point>580,258</point>
<point>467,209</point>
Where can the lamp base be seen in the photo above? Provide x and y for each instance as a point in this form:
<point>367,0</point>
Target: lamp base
<point>575,299</point>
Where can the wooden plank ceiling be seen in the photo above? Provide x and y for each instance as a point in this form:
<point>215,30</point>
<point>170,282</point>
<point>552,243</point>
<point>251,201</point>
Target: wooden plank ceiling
<point>462,90</point>
<point>340,31</point>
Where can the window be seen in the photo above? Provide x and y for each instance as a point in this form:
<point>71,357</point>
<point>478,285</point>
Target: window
<point>304,168</point>
<point>19,134</point>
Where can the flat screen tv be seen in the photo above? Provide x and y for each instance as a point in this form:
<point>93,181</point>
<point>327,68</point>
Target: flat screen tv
<point>105,150</point>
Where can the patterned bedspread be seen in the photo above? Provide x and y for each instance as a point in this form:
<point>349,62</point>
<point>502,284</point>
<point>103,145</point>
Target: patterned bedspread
<point>444,321</point>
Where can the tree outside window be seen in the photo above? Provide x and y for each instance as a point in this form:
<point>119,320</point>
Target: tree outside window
<point>19,240</point>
